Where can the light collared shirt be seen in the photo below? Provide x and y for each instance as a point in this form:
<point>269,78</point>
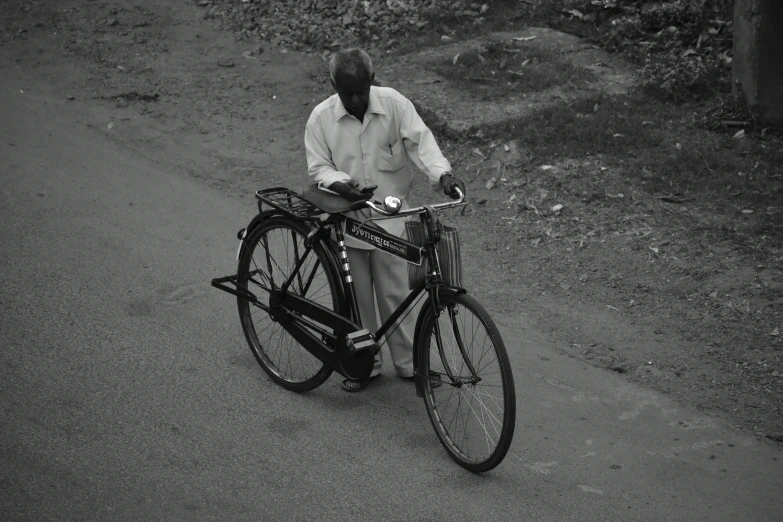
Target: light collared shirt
<point>381,151</point>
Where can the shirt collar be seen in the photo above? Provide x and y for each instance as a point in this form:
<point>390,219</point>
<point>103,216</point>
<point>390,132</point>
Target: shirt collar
<point>374,106</point>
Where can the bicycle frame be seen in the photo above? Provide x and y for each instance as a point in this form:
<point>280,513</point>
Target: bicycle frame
<point>379,238</point>
<point>314,326</point>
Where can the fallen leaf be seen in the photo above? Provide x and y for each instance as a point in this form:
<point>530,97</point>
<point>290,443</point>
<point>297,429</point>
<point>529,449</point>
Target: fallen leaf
<point>675,199</point>
<point>703,37</point>
<point>747,211</point>
<point>687,53</point>
<point>512,198</point>
<point>647,123</point>
<point>565,286</point>
<point>596,107</point>
<point>535,241</point>
<point>654,249</point>
<point>527,61</point>
<point>547,167</point>
<point>524,38</point>
<point>491,183</point>
<point>618,135</point>
<point>615,196</point>
<point>454,61</point>
<point>574,12</point>
<point>505,147</point>
<point>740,134</point>
<point>557,208</point>
<point>503,61</point>
<point>110,125</point>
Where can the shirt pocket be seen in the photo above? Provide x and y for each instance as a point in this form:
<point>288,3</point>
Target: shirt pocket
<point>391,158</point>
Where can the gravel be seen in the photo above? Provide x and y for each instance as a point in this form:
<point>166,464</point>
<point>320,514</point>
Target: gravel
<point>325,25</point>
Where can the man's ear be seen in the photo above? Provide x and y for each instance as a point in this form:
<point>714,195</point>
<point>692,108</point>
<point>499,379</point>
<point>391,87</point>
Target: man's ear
<point>372,79</point>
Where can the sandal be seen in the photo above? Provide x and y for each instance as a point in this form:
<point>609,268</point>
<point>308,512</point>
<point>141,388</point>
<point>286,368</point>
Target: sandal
<point>355,386</point>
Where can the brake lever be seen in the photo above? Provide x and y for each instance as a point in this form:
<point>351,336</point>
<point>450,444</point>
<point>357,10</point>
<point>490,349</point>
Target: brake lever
<point>360,204</point>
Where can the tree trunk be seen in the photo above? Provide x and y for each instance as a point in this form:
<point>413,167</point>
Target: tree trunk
<point>757,64</point>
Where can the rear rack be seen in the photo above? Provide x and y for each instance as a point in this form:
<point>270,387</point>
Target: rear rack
<point>289,202</point>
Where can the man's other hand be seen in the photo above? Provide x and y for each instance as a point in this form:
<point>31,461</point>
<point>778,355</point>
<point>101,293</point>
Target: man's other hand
<point>350,191</point>
<point>449,184</point>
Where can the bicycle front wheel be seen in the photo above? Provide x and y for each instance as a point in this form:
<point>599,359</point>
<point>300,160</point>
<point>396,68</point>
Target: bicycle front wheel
<point>473,415</point>
<point>269,256</point>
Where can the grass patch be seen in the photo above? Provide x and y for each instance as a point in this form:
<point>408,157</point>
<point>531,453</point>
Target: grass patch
<point>498,69</point>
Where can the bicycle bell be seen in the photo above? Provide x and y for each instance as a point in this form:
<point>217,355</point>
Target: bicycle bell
<point>391,204</point>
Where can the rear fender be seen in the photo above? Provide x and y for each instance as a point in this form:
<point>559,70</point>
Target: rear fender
<point>329,246</point>
<point>257,220</point>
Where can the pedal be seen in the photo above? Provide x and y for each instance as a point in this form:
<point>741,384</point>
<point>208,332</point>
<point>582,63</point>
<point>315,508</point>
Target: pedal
<point>360,340</point>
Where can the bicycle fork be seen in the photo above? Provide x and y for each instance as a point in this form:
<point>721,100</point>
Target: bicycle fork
<point>456,381</point>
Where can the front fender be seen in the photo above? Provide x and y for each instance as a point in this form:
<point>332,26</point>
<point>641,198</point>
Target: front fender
<point>443,291</point>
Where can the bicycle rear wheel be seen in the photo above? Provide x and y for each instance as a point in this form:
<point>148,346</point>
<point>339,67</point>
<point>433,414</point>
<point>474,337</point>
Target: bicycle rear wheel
<point>269,255</point>
<point>474,419</point>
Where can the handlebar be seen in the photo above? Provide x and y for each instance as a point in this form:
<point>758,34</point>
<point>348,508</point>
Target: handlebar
<point>378,206</point>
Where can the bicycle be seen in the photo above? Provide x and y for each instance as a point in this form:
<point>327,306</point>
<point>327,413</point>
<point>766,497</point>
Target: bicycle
<point>292,271</point>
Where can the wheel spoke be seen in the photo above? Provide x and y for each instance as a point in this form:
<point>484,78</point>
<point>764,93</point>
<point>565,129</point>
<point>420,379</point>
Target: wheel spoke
<point>271,259</point>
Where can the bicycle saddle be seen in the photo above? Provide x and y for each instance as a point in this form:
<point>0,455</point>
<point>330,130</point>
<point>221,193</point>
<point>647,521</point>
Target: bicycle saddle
<point>329,203</point>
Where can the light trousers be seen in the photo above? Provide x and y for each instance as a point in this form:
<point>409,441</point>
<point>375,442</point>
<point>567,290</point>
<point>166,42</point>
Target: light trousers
<point>383,279</point>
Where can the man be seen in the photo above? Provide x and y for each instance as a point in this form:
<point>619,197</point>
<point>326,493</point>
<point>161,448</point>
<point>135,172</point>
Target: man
<point>362,136</point>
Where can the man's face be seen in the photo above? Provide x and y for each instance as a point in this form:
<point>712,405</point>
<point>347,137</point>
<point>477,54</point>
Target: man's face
<point>354,92</point>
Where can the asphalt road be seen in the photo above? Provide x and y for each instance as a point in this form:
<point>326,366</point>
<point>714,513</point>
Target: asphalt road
<point>128,392</point>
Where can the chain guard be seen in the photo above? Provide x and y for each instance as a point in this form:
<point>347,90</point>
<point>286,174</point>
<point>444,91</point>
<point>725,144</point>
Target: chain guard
<point>355,365</point>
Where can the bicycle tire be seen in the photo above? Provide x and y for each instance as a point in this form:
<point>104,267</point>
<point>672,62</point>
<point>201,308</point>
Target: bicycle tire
<point>482,396</point>
<point>326,292</point>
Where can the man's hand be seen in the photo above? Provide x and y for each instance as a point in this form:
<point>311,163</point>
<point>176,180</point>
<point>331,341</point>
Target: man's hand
<point>350,191</point>
<point>449,184</point>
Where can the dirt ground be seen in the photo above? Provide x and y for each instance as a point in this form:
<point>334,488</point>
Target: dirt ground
<point>625,280</point>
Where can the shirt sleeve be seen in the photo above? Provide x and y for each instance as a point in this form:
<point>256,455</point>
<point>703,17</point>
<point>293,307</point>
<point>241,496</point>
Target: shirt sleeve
<point>420,144</point>
<point>320,167</point>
